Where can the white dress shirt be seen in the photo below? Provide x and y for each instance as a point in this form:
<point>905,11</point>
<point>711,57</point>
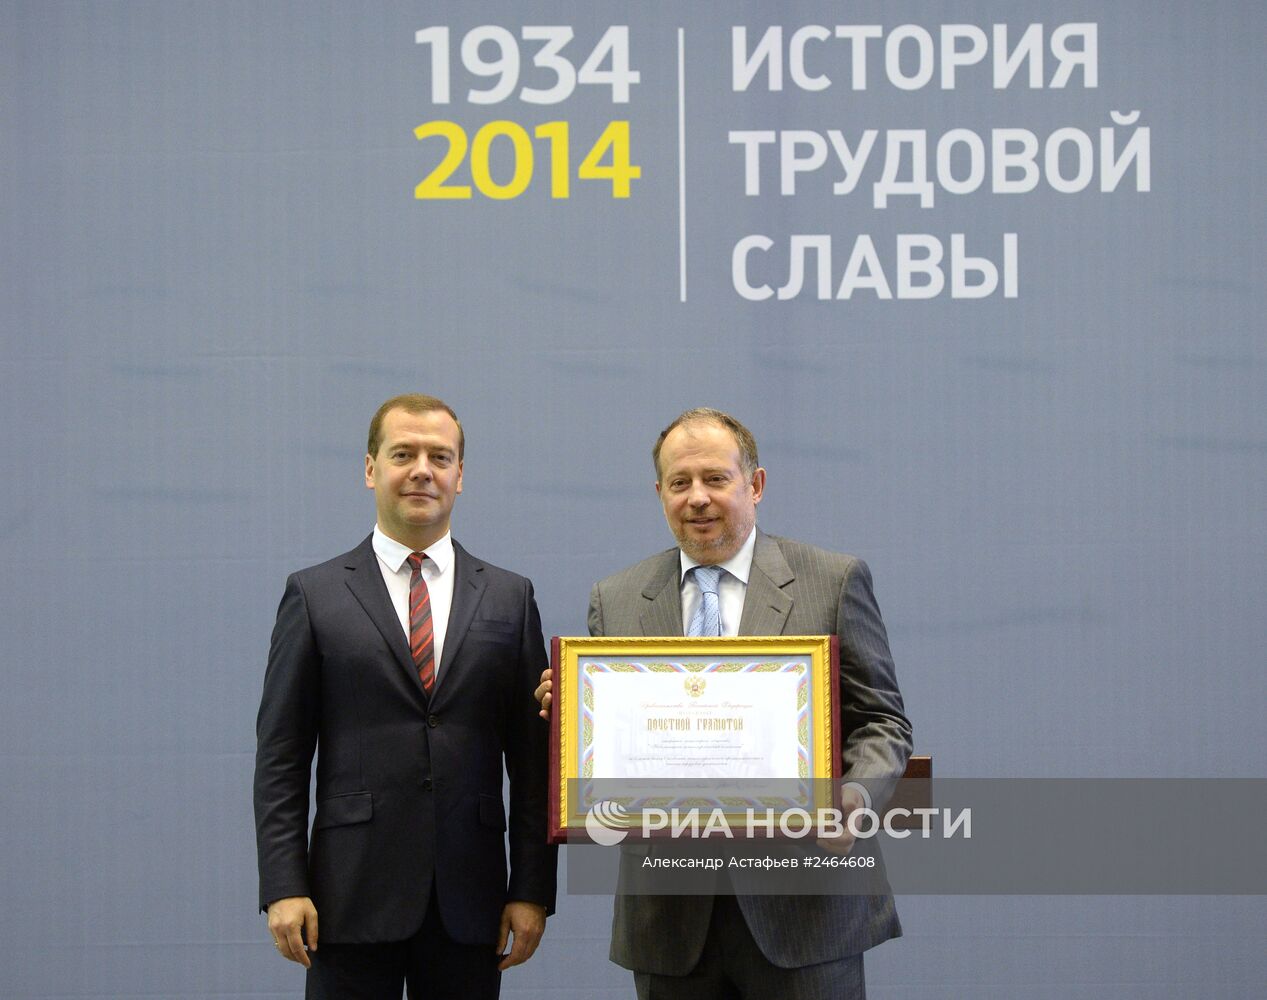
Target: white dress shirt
<point>731,588</point>
<point>437,572</point>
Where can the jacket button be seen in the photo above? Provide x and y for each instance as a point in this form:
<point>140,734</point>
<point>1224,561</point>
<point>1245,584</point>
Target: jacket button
<point>433,721</point>
<point>426,784</point>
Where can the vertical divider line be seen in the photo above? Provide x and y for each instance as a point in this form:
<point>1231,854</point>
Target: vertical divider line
<point>681,161</point>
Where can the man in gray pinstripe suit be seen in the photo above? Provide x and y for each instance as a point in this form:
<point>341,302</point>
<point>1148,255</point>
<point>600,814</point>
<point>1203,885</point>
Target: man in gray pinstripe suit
<point>751,947</point>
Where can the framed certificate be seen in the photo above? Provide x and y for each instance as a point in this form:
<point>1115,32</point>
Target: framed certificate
<point>731,724</point>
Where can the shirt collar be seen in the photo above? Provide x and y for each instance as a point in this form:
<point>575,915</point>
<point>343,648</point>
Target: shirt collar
<point>394,554</point>
<point>739,565</point>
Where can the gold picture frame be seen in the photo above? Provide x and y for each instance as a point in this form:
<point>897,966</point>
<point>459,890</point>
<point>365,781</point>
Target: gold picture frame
<point>788,691</point>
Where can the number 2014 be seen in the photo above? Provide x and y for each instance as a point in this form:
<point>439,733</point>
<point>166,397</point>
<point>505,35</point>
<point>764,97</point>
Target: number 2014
<point>613,141</point>
<point>505,66</point>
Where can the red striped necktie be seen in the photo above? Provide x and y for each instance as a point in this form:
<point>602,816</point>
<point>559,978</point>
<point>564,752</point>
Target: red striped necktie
<point>421,639</point>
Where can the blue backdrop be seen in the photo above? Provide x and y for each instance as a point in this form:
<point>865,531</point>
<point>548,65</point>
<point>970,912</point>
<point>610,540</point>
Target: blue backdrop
<point>215,269</point>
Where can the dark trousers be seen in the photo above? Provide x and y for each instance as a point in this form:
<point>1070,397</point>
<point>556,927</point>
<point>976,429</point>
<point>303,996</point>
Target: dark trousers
<point>732,967</point>
<point>430,964</point>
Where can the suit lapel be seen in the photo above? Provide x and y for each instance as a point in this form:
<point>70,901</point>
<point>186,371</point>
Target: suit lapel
<point>365,580</point>
<point>662,615</point>
<point>766,606</point>
<point>468,589</point>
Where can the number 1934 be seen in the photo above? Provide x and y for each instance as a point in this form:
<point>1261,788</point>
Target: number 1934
<point>552,66</point>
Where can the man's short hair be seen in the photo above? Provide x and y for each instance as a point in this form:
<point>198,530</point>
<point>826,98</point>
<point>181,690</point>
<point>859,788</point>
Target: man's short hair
<point>411,402</point>
<point>707,415</point>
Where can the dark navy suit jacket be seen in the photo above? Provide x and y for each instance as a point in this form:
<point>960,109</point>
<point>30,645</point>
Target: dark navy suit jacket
<point>409,787</point>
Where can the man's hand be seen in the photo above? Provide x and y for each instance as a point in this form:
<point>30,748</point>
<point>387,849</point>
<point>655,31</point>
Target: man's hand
<point>527,922</point>
<point>542,694</point>
<point>850,799</point>
<point>287,918</point>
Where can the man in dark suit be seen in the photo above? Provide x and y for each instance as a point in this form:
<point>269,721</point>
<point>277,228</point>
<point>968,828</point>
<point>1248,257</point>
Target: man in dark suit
<point>409,664</point>
<point>792,947</point>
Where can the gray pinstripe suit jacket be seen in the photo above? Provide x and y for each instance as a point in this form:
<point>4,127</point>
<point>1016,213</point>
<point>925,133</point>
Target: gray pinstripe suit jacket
<point>793,589</point>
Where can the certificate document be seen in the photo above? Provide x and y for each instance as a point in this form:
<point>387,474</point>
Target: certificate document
<point>695,724</point>
<point>653,722</point>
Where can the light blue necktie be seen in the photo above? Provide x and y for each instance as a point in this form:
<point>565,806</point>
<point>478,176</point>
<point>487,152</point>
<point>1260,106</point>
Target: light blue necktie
<point>707,617</point>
